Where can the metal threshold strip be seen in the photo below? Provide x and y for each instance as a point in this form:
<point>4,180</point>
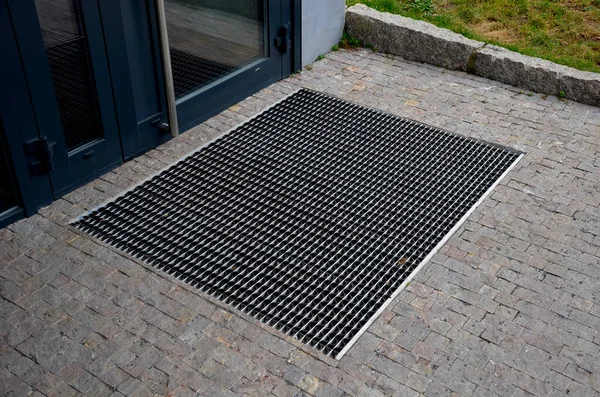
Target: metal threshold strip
<point>311,217</point>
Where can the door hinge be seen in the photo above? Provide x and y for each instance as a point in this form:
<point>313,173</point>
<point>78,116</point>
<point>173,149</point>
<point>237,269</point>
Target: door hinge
<point>283,41</point>
<point>40,155</point>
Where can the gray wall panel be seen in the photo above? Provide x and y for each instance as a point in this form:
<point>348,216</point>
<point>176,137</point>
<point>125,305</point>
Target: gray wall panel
<point>322,26</point>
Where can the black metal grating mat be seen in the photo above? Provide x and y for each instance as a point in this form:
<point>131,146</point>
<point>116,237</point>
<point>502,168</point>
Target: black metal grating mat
<point>308,216</point>
<point>191,72</point>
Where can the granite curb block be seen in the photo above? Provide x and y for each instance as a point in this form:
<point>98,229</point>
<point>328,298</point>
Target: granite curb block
<point>423,42</point>
<point>409,38</point>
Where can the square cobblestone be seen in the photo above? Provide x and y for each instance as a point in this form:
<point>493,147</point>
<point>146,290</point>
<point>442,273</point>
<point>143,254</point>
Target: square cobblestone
<point>509,306</point>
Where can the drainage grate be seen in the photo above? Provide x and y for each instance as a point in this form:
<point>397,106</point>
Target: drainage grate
<point>309,216</point>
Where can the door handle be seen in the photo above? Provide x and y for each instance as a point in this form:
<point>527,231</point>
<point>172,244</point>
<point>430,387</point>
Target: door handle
<point>88,155</point>
<point>283,41</point>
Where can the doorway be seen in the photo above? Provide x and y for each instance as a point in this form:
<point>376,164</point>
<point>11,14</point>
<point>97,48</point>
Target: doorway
<point>61,51</point>
<point>209,39</point>
<point>85,81</point>
<point>221,51</point>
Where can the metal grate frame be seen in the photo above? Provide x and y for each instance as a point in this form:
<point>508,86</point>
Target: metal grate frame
<point>310,217</point>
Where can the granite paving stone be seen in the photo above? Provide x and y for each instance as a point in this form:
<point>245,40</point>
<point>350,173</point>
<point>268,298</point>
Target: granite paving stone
<point>510,306</point>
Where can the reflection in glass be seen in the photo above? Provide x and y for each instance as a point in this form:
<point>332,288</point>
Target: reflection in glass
<point>212,38</point>
<point>72,75</point>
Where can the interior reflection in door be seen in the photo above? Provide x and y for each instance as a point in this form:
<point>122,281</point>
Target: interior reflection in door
<point>211,38</point>
<point>70,65</point>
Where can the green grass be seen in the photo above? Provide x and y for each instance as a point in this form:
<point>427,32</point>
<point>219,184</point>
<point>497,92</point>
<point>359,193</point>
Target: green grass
<point>349,42</point>
<point>562,31</point>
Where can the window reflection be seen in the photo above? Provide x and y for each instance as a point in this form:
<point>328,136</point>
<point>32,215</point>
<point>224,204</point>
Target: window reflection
<point>212,38</point>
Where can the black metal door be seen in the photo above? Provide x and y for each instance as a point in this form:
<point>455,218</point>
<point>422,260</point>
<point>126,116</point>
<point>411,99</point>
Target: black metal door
<point>223,51</point>
<point>64,59</point>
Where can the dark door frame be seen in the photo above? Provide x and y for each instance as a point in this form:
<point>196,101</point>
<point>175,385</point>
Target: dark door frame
<point>296,6</point>
<point>23,117</point>
<point>198,107</point>
<point>26,84</point>
<point>80,165</point>
<point>22,183</point>
<point>19,119</point>
<point>141,16</point>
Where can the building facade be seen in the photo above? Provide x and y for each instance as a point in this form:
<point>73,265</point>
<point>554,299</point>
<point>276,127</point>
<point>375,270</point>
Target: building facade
<point>89,84</point>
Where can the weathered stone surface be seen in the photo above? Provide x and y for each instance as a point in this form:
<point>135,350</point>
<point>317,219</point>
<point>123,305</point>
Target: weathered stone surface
<point>581,86</point>
<point>128,327</point>
<point>423,42</point>
<point>537,75</point>
<point>414,40</point>
<point>512,68</point>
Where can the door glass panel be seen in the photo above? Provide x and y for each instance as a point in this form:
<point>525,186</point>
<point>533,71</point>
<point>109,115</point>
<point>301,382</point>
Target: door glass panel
<point>211,38</point>
<point>8,193</point>
<point>71,67</point>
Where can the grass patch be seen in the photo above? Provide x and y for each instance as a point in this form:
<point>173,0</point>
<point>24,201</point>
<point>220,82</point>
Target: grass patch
<point>348,42</point>
<point>562,31</point>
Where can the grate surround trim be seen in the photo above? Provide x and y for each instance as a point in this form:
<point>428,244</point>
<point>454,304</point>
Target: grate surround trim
<point>426,260</point>
<point>412,271</point>
<point>74,221</point>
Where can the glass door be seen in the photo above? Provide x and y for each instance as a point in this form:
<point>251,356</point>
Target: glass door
<point>223,50</point>
<point>65,62</point>
<point>70,65</point>
<point>210,40</point>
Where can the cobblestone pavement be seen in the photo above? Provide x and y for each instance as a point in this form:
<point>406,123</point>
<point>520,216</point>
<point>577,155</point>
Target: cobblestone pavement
<point>509,307</point>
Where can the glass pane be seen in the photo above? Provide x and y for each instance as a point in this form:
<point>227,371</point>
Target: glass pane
<point>8,195</point>
<point>212,38</point>
<point>71,68</point>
